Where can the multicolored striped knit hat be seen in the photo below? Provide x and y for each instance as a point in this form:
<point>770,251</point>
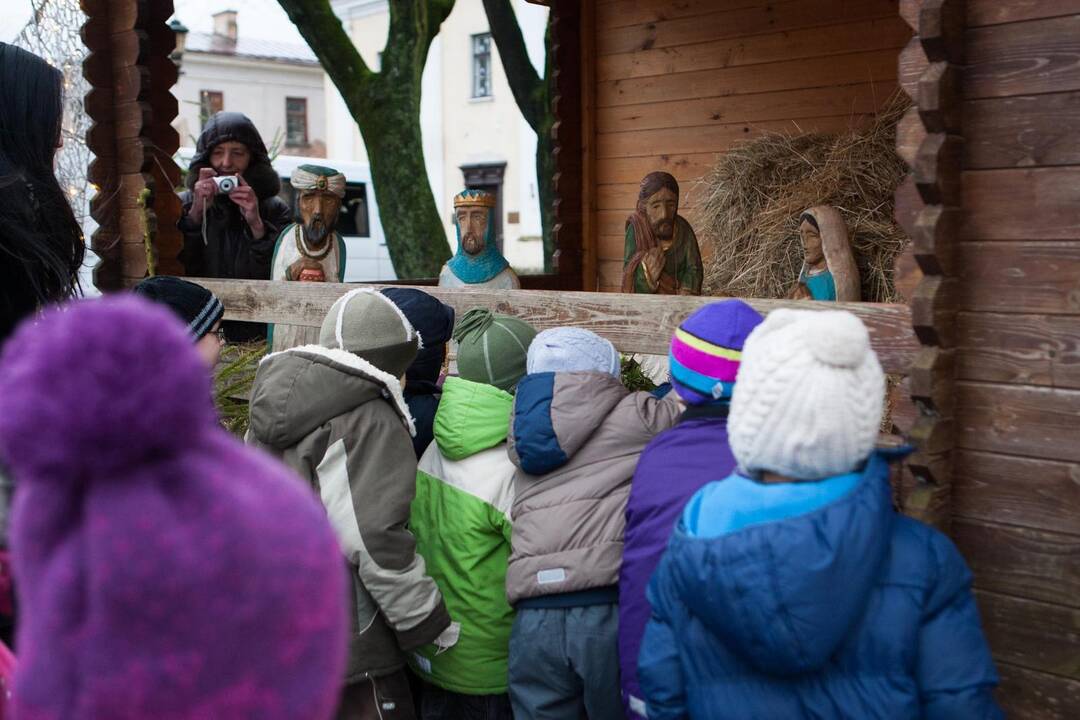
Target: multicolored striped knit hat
<point>706,350</point>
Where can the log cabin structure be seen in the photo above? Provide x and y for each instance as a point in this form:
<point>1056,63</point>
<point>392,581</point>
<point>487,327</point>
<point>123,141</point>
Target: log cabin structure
<point>990,342</point>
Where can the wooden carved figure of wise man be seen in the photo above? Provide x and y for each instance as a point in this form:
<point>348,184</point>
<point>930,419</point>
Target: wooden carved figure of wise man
<point>828,271</point>
<point>311,249</point>
<point>477,262</point>
<point>661,254</point>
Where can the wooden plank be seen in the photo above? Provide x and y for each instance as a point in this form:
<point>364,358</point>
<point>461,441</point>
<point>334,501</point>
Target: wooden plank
<point>1038,494</point>
<point>1037,696</point>
<point>630,170</point>
<point>836,39</point>
<point>1034,635</point>
<point>625,13</point>
<point>857,99</point>
<point>996,12</point>
<point>1029,204</point>
<point>911,66</point>
<point>1022,131</point>
<point>1018,561</point>
<point>872,66</point>
<point>1020,349</point>
<point>715,138</point>
<point>634,323</point>
<point>739,23</point>
<point>590,274</point>
<point>1020,277</point>
<point>1019,420</point>
<point>1041,56</point>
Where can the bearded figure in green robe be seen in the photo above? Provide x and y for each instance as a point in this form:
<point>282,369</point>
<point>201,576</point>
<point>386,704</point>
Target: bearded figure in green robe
<point>661,253</point>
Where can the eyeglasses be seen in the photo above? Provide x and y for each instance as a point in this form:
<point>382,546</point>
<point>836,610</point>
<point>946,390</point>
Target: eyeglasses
<point>220,335</point>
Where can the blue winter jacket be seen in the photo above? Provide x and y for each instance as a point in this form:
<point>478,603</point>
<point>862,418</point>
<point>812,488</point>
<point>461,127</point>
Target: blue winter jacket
<point>812,600</point>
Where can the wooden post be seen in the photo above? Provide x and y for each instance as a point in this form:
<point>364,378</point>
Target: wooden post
<point>928,208</point>
<point>569,209</point>
<point>130,74</point>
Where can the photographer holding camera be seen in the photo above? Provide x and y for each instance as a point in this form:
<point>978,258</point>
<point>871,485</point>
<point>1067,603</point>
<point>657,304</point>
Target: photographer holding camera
<point>231,213</point>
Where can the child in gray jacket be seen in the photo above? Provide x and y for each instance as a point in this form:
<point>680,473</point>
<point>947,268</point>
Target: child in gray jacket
<point>575,437</point>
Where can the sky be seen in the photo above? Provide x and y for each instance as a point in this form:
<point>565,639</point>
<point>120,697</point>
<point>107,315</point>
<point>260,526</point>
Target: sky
<point>262,19</point>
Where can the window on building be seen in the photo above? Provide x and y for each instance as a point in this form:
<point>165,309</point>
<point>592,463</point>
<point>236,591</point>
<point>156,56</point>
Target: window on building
<point>296,121</point>
<point>210,102</point>
<point>481,65</point>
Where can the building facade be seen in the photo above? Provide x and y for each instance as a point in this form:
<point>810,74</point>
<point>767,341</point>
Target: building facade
<point>278,85</point>
<point>474,135</point>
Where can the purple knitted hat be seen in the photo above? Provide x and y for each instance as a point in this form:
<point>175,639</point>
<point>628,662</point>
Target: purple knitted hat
<point>707,348</point>
<point>163,569</point>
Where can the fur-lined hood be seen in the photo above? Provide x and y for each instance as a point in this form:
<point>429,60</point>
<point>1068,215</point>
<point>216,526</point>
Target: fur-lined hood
<point>299,389</point>
<point>226,126</point>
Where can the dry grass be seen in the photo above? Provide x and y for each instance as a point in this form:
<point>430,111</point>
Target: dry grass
<point>752,199</point>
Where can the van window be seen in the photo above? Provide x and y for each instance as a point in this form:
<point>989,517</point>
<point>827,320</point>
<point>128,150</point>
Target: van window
<point>353,220</point>
<point>354,212</point>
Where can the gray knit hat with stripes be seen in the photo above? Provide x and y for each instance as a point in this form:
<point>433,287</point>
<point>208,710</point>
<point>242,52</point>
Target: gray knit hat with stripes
<point>492,348</point>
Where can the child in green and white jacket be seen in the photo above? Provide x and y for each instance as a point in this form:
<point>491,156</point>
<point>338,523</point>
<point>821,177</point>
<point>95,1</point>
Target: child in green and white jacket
<point>461,518</point>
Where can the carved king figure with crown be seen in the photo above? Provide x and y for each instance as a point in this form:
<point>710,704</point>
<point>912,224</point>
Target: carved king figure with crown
<point>478,262</point>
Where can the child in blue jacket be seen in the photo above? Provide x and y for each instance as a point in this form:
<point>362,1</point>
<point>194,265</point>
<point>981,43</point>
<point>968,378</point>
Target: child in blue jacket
<point>792,589</point>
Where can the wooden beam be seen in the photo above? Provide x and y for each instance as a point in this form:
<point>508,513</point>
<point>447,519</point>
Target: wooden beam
<point>1021,492</point>
<point>1020,349</point>
<point>1034,130</point>
<point>634,323</point>
<point>1037,422</point>
<point>1035,635</point>
<point>1041,56</point>
<point>1035,695</point>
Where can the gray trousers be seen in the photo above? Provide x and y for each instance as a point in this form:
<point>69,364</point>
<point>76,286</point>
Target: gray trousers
<point>564,664</point>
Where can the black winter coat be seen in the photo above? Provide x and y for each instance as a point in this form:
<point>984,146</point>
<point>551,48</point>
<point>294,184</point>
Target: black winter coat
<point>229,250</point>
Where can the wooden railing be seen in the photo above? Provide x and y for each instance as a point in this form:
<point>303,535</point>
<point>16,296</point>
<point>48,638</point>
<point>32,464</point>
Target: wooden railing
<point>633,323</point>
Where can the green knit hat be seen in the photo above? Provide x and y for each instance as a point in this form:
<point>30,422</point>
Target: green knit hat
<point>492,348</point>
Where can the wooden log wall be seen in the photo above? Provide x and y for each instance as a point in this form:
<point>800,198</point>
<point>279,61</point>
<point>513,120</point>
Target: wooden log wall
<point>1016,469</point>
<point>677,83</point>
<point>130,102</point>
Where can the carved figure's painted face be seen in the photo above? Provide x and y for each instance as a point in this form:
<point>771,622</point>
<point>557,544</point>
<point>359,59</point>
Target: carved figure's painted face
<point>319,215</point>
<point>811,239</point>
<point>661,208</point>
<point>472,223</point>
<point>230,158</point>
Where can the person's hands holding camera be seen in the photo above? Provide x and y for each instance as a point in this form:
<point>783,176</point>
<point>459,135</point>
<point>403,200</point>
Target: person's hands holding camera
<point>244,196</point>
<point>203,193</point>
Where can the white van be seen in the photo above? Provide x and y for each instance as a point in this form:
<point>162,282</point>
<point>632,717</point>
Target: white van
<point>366,255</point>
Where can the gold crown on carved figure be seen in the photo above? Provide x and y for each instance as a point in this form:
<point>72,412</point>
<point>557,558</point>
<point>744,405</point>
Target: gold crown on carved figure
<point>474,197</point>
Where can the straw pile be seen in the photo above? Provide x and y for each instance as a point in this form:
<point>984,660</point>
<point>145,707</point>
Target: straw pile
<point>751,201</point>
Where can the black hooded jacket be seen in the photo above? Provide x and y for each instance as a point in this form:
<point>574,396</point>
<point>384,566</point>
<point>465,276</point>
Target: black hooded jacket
<point>229,250</point>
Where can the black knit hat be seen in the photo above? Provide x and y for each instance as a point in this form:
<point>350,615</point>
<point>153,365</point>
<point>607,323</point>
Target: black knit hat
<point>195,305</point>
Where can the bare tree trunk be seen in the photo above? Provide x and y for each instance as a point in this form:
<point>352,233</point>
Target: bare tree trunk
<point>533,96</point>
<point>386,108</point>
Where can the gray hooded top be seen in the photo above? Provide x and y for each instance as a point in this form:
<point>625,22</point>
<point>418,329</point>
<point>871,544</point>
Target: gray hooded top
<point>343,425</point>
<point>576,438</point>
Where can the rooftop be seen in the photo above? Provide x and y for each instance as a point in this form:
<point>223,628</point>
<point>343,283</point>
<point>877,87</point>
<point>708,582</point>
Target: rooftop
<point>292,53</point>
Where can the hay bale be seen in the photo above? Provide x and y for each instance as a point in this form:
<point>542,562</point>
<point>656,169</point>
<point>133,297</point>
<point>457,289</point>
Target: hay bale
<point>751,201</point>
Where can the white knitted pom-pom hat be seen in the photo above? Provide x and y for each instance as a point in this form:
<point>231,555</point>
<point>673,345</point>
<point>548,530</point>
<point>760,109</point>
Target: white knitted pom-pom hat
<point>808,396</point>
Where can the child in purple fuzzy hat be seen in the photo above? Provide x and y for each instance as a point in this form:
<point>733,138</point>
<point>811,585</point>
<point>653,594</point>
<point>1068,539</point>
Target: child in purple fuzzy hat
<point>163,569</point>
<point>704,358</point>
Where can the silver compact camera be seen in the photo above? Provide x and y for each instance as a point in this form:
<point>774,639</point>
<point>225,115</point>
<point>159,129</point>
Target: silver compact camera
<point>226,184</point>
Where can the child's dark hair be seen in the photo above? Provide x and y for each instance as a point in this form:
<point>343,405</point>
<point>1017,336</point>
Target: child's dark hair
<point>41,243</point>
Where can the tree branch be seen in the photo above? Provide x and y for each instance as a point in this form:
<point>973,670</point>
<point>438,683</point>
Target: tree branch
<point>527,86</point>
<point>326,37</point>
